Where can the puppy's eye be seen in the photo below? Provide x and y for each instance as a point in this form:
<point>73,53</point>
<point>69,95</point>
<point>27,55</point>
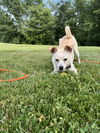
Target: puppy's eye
<point>57,60</point>
<point>65,59</point>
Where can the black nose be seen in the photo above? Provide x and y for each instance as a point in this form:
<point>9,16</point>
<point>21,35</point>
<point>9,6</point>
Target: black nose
<point>60,67</point>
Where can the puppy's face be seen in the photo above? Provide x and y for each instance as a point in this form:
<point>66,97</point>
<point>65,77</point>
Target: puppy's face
<point>62,58</point>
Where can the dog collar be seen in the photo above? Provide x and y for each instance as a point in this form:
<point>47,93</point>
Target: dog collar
<point>69,66</point>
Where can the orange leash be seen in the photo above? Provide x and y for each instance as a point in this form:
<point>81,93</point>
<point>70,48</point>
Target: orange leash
<point>27,75</point>
<point>10,80</point>
<point>90,61</point>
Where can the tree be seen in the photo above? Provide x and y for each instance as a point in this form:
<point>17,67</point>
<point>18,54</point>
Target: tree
<point>30,21</point>
<point>6,28</point>
<point>39,26</point>
<point>95,30</point>
<point>63,16</point>
<point>13,11</point>
<point>83,17</point>
<point>88,14</point>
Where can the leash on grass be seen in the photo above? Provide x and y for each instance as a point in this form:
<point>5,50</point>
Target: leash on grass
<point>88,61</point>
<point>15,79</point>
<point>27,75</point>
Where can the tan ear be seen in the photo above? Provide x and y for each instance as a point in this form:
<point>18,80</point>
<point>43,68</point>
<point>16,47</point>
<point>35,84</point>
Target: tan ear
<point>68,48</point>
<point>53,50</point>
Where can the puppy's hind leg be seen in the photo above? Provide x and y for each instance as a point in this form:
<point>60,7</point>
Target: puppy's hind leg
<point>77,53</point>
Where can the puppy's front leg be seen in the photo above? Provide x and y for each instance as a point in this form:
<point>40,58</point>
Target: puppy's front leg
<point>73,69</point>
<point>55,71</point>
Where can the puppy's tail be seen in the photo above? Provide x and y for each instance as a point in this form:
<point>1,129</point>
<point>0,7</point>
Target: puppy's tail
<point>68,32</point>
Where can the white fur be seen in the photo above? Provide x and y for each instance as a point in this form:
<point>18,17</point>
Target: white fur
<point>61,53</point>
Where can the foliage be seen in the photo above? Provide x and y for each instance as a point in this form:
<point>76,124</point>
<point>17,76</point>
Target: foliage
<point>39,26</point>
<point>83,17</point>
<point>32,21</point>
<point>14,10</point>
<point>6,27</point>
<point>46,103</point>
<point>64,16</point>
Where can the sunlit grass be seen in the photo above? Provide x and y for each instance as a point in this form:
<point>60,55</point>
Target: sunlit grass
<point>44,103</point>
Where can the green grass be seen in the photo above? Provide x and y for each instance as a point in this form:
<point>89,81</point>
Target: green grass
<point>44,103</point>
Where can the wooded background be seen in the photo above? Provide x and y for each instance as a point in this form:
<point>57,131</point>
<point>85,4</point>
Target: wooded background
<point>39,22</point>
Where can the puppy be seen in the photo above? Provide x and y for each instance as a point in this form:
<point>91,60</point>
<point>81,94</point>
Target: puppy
<point>63,56</point>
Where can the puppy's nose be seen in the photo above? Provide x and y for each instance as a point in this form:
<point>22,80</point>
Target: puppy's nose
<point>60,67</point>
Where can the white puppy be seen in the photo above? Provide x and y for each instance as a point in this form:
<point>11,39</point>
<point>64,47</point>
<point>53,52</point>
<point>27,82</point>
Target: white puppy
<point>63,56</point>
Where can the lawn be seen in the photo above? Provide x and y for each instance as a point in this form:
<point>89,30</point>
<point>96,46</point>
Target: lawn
<point>44,103</point>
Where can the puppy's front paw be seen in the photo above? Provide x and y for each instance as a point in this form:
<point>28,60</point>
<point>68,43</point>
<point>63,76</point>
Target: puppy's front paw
<point>76,72</point>
<point>54,72</point>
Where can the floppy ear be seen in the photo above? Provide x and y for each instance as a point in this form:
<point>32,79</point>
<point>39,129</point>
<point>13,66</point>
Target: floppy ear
<point>68,48</point>
<point>53,50</point>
